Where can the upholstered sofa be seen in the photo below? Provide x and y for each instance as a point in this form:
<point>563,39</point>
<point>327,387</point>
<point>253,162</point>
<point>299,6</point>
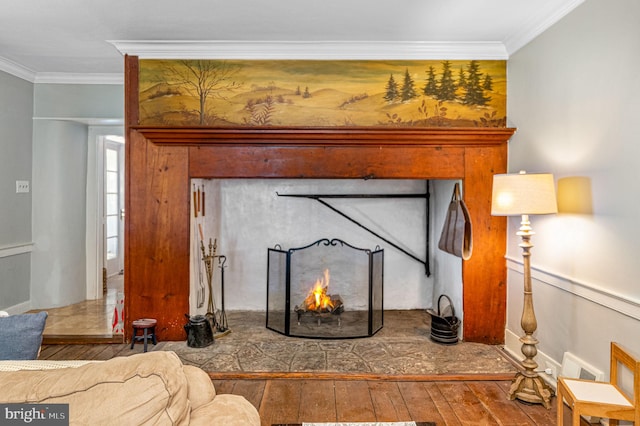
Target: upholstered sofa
<point>145,388</point>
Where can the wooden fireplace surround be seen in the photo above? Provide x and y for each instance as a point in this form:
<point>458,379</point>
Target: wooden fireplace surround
<point>160,162</point>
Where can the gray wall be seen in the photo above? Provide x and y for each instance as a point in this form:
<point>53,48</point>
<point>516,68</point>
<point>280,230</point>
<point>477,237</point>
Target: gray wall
<point>44,140</point>
<point>59,204</point>
<point>60,146</point>
<point>574,95</point>
<point>82,102</point>
<point>16,110</point>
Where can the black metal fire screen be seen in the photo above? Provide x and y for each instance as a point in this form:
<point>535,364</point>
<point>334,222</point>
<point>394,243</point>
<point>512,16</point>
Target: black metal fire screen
<point>328,289</point>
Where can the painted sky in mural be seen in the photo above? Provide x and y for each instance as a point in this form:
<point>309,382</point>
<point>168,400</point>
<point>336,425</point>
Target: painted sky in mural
<point>232,93</point>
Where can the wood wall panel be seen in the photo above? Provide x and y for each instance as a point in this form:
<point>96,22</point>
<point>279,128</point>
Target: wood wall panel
<point>157,236</point>
<point>366,162</point>
<point>484,274</point>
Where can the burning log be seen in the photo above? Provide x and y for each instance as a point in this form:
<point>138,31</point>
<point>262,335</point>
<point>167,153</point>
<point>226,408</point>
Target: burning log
<point>319,303</point>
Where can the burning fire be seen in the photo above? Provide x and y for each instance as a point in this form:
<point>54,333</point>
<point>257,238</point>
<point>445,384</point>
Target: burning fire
<point>318,299</point>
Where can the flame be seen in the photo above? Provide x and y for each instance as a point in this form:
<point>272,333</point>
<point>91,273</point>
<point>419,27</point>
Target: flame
<point>318,299</point>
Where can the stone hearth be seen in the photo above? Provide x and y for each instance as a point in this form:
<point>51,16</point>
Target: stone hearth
<point>402,347</point>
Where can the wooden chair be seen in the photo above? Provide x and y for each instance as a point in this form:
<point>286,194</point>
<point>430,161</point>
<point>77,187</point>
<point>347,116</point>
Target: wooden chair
<point>603,399</point>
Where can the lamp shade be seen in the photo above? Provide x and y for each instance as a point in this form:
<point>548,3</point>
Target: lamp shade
<point>521,193</point>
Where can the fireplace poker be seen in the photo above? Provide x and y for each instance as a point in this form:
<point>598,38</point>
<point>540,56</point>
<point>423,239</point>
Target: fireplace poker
<point>201,289</point>
<point>222,321</point>
<point>195,201</point>
<point>208,259</point>
<point>202,201</point>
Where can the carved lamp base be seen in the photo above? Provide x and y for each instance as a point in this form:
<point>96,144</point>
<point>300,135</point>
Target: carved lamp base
<point>532,390</point>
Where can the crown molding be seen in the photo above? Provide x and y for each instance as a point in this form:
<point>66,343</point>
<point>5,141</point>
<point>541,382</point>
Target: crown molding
<point>16,70</point>
<point>31,76</point>
<point>302,50</point>
<point>321,50</point>
<point>79,78</point>
<point>89,121</point>
<point>527,33</point>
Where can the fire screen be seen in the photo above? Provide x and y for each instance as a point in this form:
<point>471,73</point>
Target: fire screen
<point>328,289</point>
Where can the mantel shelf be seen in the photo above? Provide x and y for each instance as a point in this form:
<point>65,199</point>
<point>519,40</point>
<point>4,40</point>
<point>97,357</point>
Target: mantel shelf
<point>326,136</point>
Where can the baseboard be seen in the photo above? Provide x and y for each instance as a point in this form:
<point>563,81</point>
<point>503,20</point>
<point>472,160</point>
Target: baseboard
<point>513,347</point>
<point>20,308</point>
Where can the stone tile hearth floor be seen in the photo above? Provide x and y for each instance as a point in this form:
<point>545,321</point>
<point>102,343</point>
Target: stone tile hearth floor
<point>402,347</point>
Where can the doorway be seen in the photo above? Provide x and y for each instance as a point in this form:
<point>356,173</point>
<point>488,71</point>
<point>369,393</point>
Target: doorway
<point>105,209</point>
<point>113,202</point>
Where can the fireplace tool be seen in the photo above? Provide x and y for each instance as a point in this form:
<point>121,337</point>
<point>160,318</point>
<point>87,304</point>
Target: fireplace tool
<point>198,207</point>
<point>201,288</point>
<point>208,260</point>
<point>222,319</point>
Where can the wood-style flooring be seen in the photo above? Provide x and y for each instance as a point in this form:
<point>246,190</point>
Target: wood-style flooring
<point>80,331</point>
<point>321,400</point>
<point>90,321</point>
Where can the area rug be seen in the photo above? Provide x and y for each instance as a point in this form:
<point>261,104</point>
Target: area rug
<point>402,349</point>
<point>360,424</point>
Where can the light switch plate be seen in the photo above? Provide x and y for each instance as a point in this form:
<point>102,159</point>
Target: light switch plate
<point>22,186</point>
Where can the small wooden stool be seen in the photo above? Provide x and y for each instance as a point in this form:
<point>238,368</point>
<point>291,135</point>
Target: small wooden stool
<point>148,327</point>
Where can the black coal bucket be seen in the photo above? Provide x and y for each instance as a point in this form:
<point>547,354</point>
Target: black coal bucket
<point>199,332</point>
<point>444,323</point>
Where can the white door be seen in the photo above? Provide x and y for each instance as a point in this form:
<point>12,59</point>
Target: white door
<point>113,222</point>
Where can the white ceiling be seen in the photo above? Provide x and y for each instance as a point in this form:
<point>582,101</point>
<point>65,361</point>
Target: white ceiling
<point>65,40</point>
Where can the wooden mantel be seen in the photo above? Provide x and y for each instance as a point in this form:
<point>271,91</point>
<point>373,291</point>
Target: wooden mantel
<point>161,161</point>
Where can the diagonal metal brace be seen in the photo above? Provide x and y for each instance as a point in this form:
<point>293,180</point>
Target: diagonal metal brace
<point>425,196</point>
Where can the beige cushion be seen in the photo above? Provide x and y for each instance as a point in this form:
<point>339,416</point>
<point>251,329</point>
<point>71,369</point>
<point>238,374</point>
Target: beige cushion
<point>201,388</point>
<point>147,388</point>
<point>40,364</point>
<point>226,410</point>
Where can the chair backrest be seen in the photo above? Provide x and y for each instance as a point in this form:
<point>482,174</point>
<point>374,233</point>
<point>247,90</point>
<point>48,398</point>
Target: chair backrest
<point>620,355</point>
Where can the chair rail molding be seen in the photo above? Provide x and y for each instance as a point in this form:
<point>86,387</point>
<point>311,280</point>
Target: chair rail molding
<point>15,249</point>
<point>621,304</point>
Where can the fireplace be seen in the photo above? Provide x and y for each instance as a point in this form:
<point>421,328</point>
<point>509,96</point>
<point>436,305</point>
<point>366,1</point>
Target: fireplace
<point>160,161</point>
<point>327,289</point>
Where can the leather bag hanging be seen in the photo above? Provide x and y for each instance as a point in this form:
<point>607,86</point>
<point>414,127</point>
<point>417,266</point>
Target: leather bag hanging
<point>456,237</point>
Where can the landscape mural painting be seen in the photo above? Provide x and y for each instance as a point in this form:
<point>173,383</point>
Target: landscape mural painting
<point>322,93</point>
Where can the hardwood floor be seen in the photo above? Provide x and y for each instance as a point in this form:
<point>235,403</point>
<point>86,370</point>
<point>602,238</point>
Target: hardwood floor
<point>90,321</point>
<point>323,400</point>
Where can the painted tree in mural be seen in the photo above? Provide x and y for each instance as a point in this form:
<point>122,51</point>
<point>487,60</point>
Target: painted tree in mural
<point>431,87</point>
<point>462,79</point>
<point>391,91</point>
<point>474,92</point>
<point>408,90</point>
<point>203,79</point>
<point>446,85</point>
<point>488,83</point>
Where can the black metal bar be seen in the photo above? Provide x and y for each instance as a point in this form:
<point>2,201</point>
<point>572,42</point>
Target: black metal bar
<point>287,304</point>
<point>425,195</point>
<point>370,231</point>
<point>316,196</point>
<point>427,267</point>
<point>371,307</point>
